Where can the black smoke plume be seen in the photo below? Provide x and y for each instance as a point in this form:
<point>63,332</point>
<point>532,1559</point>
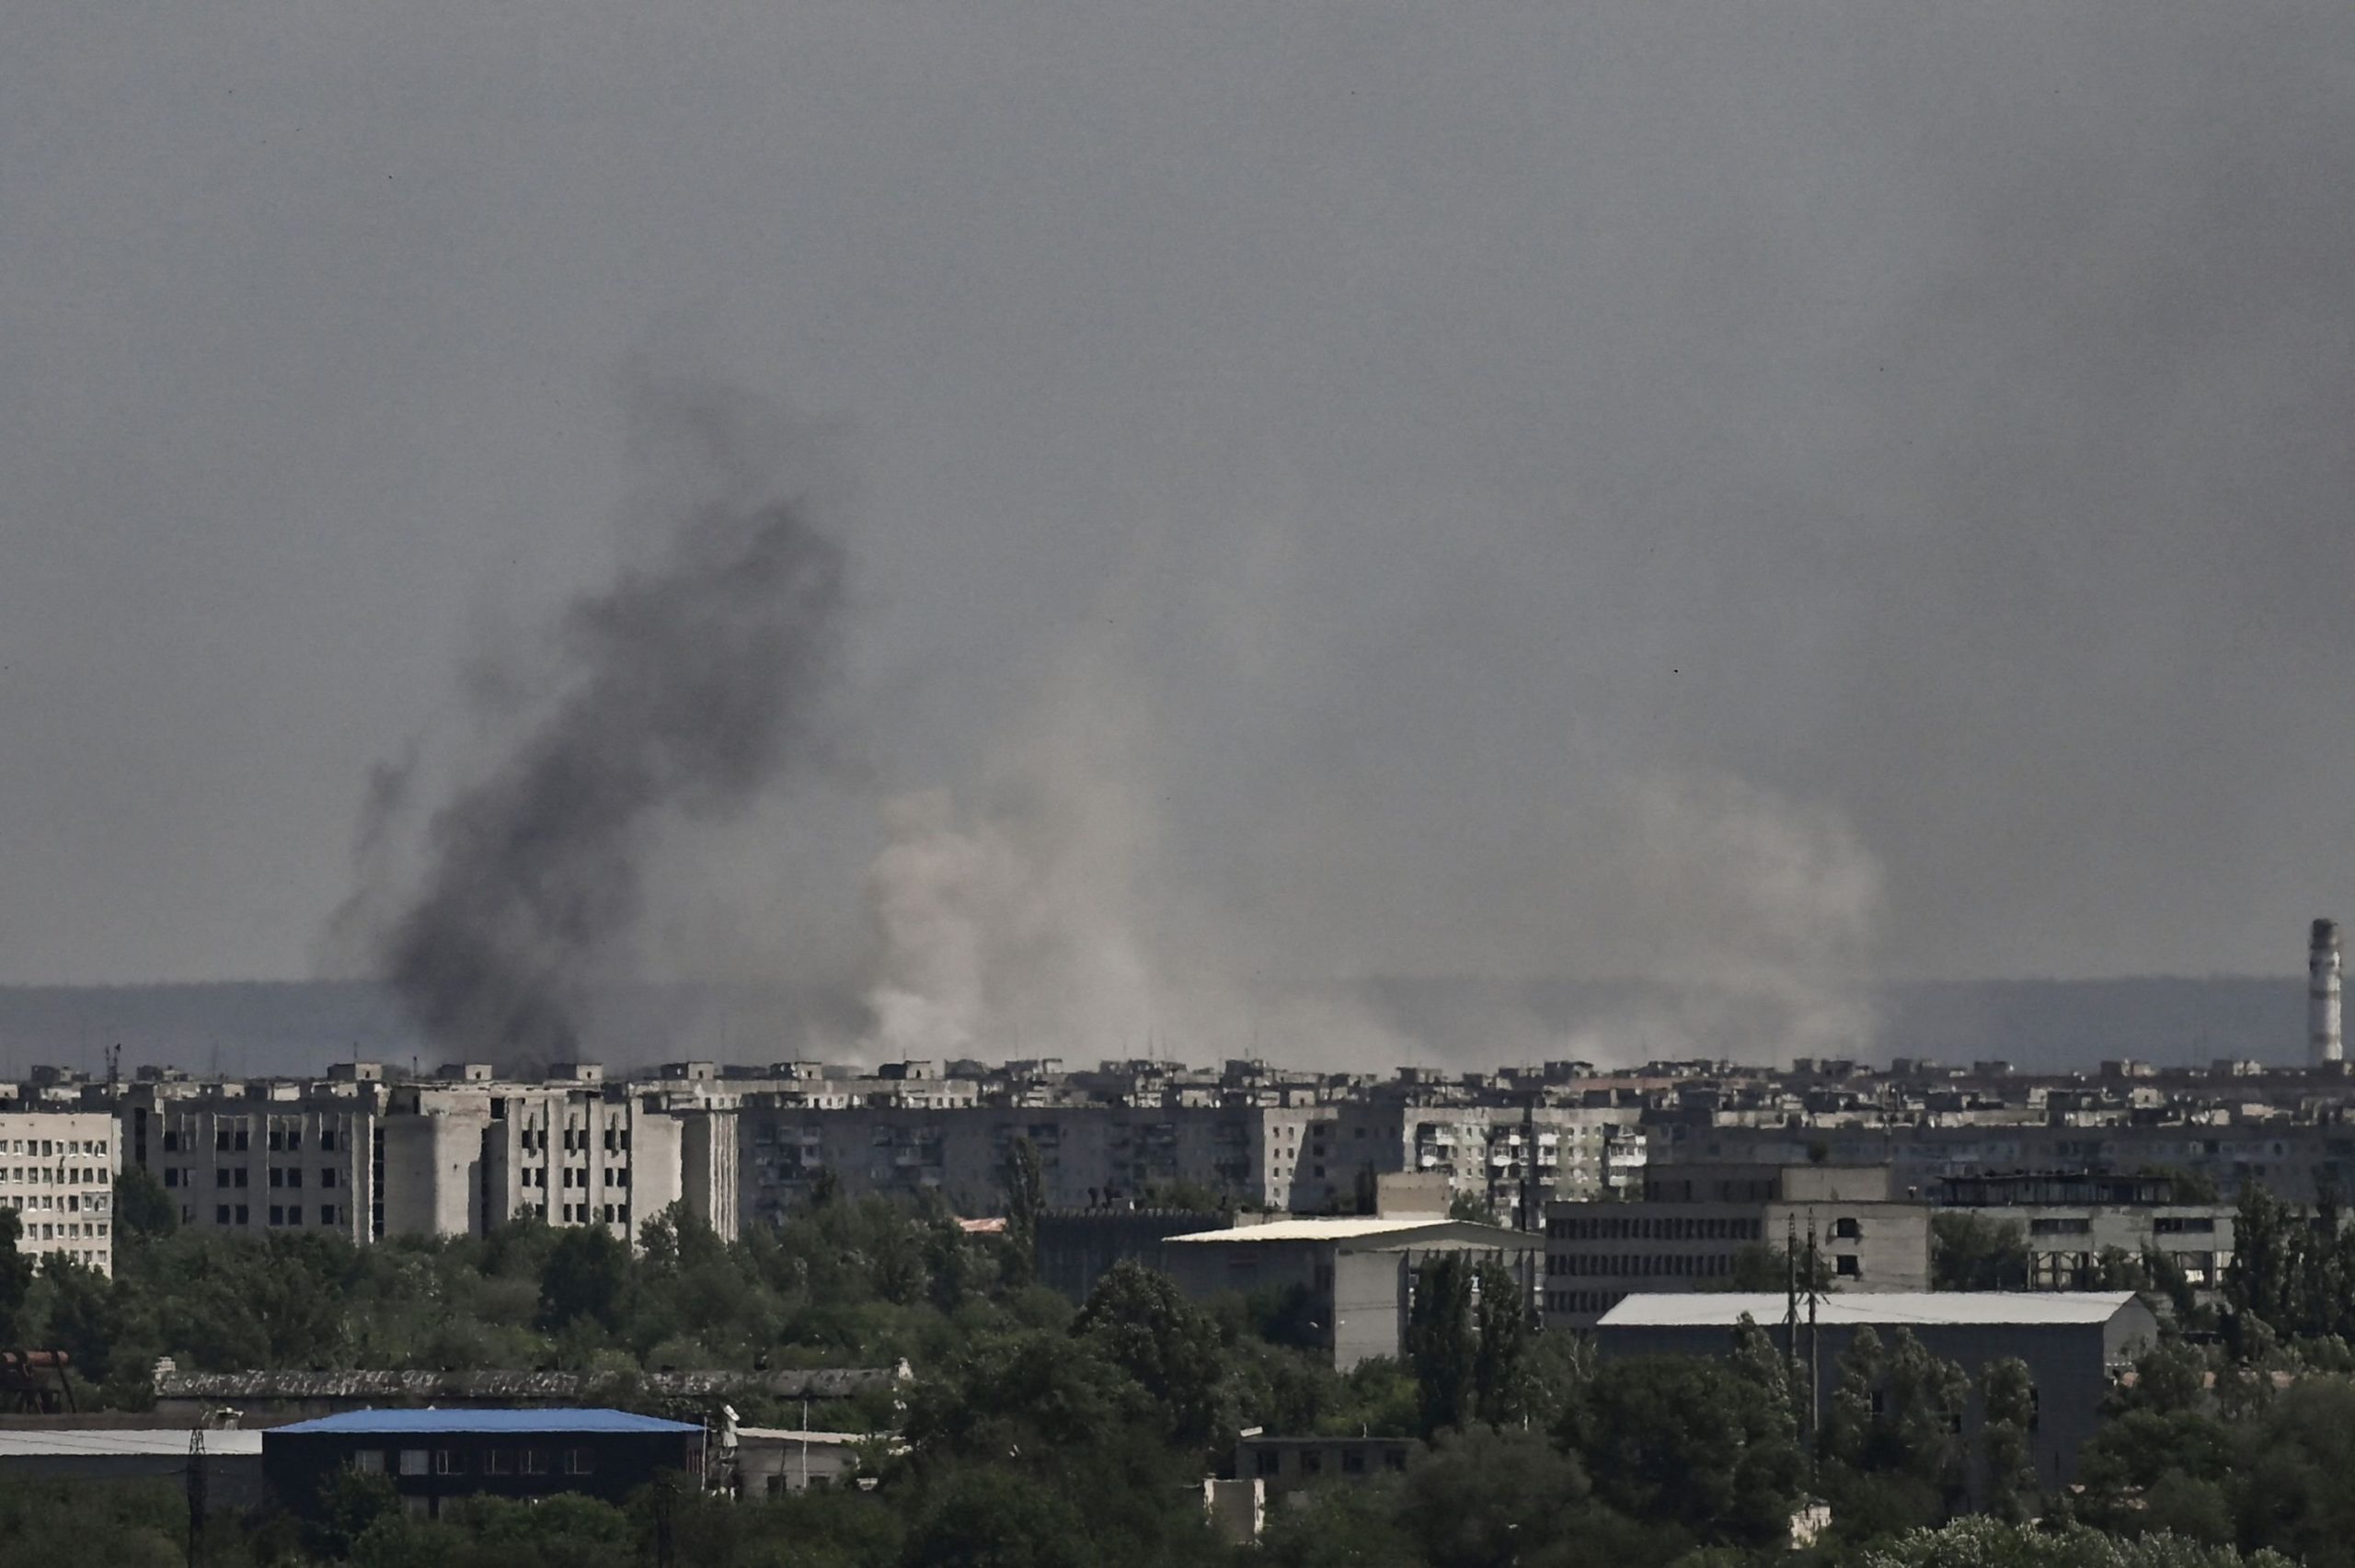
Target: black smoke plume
<point>688,690</point>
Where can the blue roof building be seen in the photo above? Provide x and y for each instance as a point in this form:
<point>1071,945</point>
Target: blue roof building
<point>431,1456</point>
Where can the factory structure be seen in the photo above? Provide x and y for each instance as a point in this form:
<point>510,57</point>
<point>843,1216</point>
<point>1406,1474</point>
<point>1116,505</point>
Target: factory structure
<point>2324,1044</point>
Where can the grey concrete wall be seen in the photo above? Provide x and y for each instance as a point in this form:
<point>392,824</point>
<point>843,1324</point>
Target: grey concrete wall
<point>1370,1298</point>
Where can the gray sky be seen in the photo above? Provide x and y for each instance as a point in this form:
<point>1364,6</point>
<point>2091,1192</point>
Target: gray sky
<point>1824,489</point>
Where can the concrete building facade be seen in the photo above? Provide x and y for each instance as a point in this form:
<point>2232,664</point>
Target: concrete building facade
<point>262,1157</point>
<point>1359,1273</point>
<point>1692,1228</point>
<point>2069,1220</point>
<point>57,1170</point>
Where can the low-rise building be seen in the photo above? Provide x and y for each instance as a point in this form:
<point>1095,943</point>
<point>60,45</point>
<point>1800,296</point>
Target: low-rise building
<point>231,1460</point>
<point>2073,1345</point>
<point>432,1456</point>
<point>1358,1273</point>
<point>1289,1464</point>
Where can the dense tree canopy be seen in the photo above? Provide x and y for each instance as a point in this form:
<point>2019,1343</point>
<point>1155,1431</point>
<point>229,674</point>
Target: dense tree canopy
<point>1037,1434</point>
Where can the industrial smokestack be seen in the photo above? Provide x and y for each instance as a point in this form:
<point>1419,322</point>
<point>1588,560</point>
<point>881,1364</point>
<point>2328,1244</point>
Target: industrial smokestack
<point>2322,995</point>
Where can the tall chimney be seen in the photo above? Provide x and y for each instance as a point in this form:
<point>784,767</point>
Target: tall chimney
<point>2322,995</point>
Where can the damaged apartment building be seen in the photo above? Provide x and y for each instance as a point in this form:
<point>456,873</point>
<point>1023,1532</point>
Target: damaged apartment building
<point>365,1156</point>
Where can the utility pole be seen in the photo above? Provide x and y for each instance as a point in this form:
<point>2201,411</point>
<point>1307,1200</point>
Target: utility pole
<point>1814,1342</point>
<point>1791,1293</point>
<point>196,1499</point>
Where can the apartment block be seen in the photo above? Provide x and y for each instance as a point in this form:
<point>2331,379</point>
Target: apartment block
<point>473,1152</point>
<point>1092,1156</point>
<point>270,1156</point>
<point>57,1170</point>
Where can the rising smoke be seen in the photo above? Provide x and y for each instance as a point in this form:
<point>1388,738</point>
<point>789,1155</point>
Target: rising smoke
<point>684,690</point>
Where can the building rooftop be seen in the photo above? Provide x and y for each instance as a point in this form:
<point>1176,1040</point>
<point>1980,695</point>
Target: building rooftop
<point>1353,1228</point>
<point>137,1441</point>
<point>1894,1309</point>
<point>391,1422</point>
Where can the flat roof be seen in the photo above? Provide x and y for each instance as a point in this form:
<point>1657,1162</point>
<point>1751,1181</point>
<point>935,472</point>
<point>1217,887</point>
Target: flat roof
<point>1893,1308</point>
<point>123,1441</point>
<point>391,1422</point>
<point>1313,1230</point>
<point>1354,1229</point>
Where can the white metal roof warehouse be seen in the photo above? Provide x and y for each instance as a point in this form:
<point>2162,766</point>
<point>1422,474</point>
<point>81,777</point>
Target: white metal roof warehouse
<point>1879,1309</point>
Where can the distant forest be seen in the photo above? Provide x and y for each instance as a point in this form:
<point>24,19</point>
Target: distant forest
<point>260,1028</point>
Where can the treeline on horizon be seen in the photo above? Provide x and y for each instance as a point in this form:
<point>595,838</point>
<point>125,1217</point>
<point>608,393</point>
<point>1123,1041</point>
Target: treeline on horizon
<point>1039,1435</point>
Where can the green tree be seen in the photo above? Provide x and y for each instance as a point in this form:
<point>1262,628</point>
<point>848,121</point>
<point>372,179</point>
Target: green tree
<point>1025,1200</point>
<point>348,1503</point>
<point>1471,1208</point>
<point>1138,1321</point>
<point>2169,1377</point>
<point>586,1272</point>
<point>1971,1252</point>
<point>1990,1543</point>
<point>1686,1440</point>
<point>1502,1332</point>
<point>1480,1496</point>
<point>995,1519</point>
<point>2007,1396</point>
<point>143,1209</point>
<point>85,1318</point>
<point>16,1278</point>
<point>1341,1526</point>
<point>1760,1267</point>
<point>1439,1344</point>
<point>2261,1281</point>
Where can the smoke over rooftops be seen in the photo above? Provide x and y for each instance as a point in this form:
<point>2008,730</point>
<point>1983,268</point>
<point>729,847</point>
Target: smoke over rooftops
<point>685,692</point>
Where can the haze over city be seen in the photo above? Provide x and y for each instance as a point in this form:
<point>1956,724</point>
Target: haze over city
<point>1734,508</point>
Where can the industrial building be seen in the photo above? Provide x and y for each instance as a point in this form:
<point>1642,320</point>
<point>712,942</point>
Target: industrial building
<point>432,1456</point>
<point>2068,1220</point>
<point>1359,1273</point>
<point>2073,1345</point>
<point>232,1459</point>
<point>1691,1230</point>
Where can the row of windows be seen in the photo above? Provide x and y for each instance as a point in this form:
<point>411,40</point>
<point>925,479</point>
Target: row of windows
<point>49,1148</point>
<point>55,1175</point>
<point>237,1139</point>
<point>283,1176</point>
<point>64,1229</point>
<point>1663,1265</point>
<point>71,1203</point>
<point>537,1176</point>
<point>583,1213</point>
<point>1583,1300</point>
<point>454,1461</point>
<point>280,1214</point>
<point>576,1140</point>
<point>1654,1227</point>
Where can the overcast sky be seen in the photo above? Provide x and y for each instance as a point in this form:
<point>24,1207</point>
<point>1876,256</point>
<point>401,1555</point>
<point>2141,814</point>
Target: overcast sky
<point>1329,487</point>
